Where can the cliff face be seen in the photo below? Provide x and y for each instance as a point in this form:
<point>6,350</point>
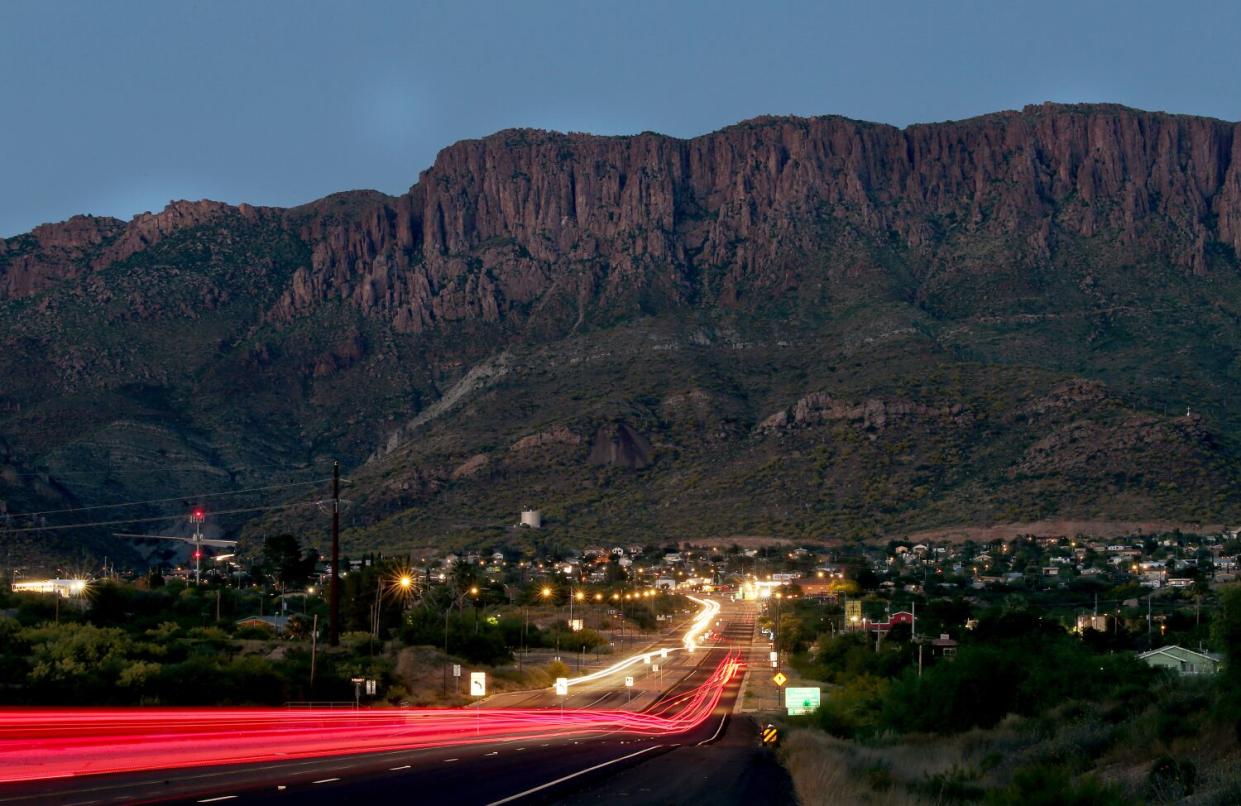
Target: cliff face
<point>497,224</point>
<point>528,221</point>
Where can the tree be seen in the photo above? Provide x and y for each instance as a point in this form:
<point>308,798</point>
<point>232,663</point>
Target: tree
<point>282,559</point>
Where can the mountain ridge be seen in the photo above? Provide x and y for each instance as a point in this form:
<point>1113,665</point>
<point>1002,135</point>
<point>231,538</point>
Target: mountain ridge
<point>1080,244</point>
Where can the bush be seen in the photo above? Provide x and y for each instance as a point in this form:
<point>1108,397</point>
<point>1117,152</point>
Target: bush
<point>1050,786</point>
<point>1170,779</point>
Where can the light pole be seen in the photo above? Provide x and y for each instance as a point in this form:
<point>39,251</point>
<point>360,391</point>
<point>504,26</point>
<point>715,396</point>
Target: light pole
<point>474,595</point>
<point>546,594</point>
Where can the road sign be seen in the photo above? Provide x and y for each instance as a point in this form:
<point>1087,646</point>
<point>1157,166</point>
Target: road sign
<point>629,682</point>
<point>655,667</point>
<point>370,688</point>
<point>576,625</point>
<point>773,655</point>
<point>478,684</point>
<point>456,670</point>
<point>770,734</point>
<point>562,687</point>
<point>646,659</point>
<point>801,700</point>
<point>780,679</point>
<point>663,653</point>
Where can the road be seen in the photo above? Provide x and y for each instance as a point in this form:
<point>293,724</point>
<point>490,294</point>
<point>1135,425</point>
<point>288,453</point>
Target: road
<point>527,769</point>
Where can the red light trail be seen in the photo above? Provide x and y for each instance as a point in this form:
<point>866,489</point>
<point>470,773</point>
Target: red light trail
<point>40,743</point>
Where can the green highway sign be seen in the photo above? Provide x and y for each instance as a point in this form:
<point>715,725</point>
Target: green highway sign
<point>801,700</point>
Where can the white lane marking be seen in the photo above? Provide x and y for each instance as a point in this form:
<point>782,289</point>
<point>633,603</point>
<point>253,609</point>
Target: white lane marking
<point>325,780</point>
<point>221,797</point>
<point>492,753</point>
<point>394,769</point>
<point>520,749</point>
<point>570,776</point>
<point>715,735</point>
<point>447,760</point>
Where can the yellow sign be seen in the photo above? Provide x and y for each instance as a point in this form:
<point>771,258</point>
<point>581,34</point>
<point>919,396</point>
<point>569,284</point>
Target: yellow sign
<point>779,679</point>
<point>770,735</point>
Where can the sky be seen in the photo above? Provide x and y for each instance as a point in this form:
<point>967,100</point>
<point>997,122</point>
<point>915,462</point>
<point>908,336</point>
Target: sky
<point>117,108</point>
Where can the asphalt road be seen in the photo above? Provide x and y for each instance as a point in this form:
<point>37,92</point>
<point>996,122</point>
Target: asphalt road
<point>529,769</point>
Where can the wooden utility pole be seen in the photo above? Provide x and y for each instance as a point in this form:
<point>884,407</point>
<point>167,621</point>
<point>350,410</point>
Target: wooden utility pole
<point>333,631</point>
<point>314,651</point>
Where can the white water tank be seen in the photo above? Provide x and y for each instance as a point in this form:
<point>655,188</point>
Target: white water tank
<point>532,518</point>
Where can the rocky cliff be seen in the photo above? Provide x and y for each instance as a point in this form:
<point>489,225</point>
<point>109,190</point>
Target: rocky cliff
<point>527,223</point>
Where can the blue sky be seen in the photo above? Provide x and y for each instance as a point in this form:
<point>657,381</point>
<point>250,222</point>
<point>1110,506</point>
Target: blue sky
<point>115,108</point>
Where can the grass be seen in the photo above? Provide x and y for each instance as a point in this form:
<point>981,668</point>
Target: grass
<point>1071,754</point>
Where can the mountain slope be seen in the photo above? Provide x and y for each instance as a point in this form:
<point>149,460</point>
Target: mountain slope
<point>796,326</point>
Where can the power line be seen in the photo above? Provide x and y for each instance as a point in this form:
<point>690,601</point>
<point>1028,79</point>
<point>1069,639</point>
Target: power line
<point>155,520</point>
<point>192,496</point>
<point>200,469</point>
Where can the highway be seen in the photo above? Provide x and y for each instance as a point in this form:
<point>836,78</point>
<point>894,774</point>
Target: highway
<point>527,766</point>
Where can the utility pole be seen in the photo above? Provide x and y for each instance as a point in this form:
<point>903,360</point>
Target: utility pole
<point>1149,641</point>
<point>333,632</point>
<point>314,650</point>
<point>197,517</point>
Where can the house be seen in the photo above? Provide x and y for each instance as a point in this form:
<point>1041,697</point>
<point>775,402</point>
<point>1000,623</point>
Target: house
<point>1181,660</point>
<point>900,617</point>
<point>814,586</point>
<point>1089,621</point>
<point>276,624</point>
<point>943,646</point>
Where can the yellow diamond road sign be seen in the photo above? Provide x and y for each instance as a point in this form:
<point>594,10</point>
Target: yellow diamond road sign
<point>779,679</point>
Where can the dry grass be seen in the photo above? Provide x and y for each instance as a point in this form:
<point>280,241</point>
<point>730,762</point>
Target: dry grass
<point>826,770</point>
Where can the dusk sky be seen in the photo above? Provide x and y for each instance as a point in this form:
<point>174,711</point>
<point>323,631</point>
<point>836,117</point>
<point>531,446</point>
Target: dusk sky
<point>116,108</point>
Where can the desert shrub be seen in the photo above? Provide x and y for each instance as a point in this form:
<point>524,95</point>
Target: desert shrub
<point>1171,779</point>
<point>1052,786</point>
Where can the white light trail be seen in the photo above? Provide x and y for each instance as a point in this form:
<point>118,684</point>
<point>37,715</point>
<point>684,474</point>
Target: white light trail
<point>710,609</point>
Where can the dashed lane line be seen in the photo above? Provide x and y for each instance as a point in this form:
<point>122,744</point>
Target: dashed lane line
<point>570,776</point>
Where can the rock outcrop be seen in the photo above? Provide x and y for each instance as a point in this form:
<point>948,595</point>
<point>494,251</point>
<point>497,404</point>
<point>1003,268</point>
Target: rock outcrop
<point>619,445</point>
<point>872,415</point>
<point>526,224</point>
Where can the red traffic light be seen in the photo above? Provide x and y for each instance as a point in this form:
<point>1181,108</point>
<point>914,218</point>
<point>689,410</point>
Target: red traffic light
<point>198,513</point>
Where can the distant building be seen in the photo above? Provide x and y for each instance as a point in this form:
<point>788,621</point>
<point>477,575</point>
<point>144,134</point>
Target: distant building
<point>1090,621</point>
<point>1181,660</point>
<point>64,587</point>
<point>815,586</point>
<point>277,624</point>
